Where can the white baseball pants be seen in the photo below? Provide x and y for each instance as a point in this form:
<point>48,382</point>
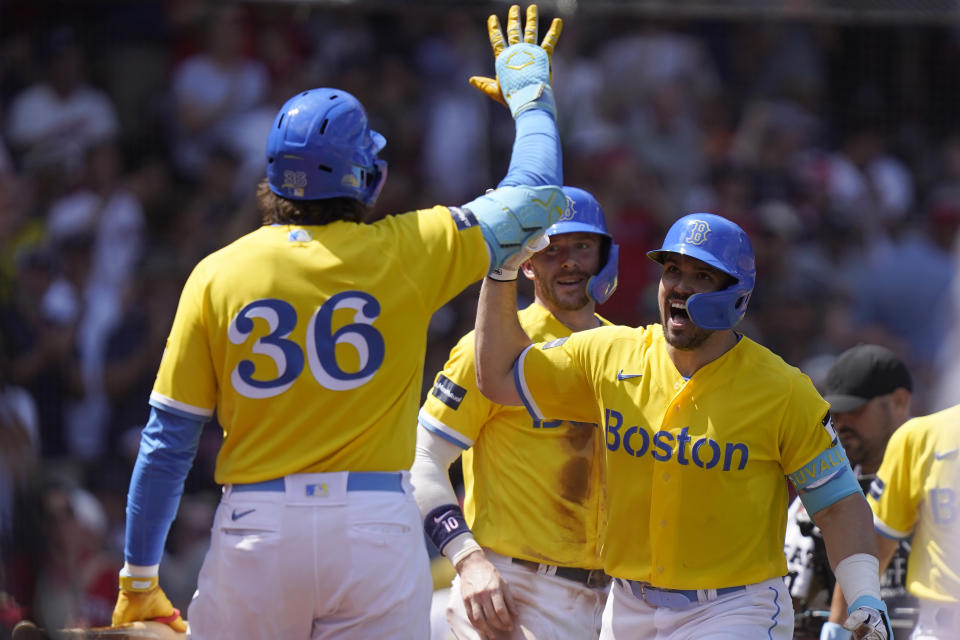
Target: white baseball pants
<point>549,608</point>
<point>324,556</point>
<point>761,611</point>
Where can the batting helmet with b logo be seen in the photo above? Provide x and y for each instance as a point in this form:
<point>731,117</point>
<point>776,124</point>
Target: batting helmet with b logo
<point>723,245</point>
<point>584,214</point>
<point>322,147</point>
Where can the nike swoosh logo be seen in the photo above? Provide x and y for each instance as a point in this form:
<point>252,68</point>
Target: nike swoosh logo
<point>626,376</point>
<point>945,454</point>
<point>236,516</point>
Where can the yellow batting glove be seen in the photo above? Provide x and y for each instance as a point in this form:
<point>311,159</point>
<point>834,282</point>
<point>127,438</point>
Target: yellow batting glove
<point>490,86</point>
<point>143,599</point>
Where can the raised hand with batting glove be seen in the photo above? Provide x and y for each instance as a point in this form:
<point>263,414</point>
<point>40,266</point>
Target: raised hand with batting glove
<point>498,88</point>
<point>513,217</point>
<point>143,599</point>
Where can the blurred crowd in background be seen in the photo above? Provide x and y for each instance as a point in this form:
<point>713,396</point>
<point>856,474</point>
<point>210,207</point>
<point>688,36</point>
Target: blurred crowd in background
<point>131,141</point>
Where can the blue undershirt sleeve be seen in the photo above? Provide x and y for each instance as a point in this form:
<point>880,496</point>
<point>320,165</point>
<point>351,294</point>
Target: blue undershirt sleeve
<point>536,157</point>
<point>168,445</point>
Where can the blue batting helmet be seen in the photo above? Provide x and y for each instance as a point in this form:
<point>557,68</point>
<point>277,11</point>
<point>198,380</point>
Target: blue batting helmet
<point>321,146</point>
<point>723,245</point>
<point>583,213</point>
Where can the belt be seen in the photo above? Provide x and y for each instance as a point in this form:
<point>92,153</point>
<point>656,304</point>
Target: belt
<point>588,577</point>
<point>675,598</point>
<point>356,481</point>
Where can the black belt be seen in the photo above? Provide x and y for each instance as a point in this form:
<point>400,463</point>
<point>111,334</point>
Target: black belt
<point>588,577</point>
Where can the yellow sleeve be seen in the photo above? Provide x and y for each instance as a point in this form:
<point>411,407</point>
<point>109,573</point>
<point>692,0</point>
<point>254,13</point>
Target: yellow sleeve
<point>439,255</point>
<point>552,381</point>
<point>455,409</point>
<point>806,429</point>
<point>186,382</point>
<point>897,490</point>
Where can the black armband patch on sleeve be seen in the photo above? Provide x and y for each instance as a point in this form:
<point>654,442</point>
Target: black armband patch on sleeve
<point>445,523</point>
<point>463,217</point>
<point>448,392</point>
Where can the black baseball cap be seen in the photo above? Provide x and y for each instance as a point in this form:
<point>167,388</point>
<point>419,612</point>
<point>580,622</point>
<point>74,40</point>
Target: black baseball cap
<point>862,373</point>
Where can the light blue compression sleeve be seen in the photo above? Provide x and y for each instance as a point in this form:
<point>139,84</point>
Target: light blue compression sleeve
<point>536,157</point>
<point>168,445</point>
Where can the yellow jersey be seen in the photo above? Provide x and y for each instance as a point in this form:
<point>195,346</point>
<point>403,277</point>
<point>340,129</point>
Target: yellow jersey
<point>695,469</point>
<point>917,492</point>
<point>309,341</point>
<point>533,488</point>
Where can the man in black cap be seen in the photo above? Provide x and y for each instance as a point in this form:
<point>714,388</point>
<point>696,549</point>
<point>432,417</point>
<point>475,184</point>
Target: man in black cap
<point>869,390</point>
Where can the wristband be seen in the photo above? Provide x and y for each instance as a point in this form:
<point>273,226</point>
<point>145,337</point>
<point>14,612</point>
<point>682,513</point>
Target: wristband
<point>135,584</point>
<point>460,547</point>
<point>867,601</point>
<point>445,523</point>
<point>503,274</point>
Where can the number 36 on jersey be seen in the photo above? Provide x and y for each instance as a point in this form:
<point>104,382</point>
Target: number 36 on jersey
<point>319,351</point>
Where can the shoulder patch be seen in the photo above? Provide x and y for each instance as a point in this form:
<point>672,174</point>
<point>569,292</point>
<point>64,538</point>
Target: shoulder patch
<point>448,392</point>
<point>464,218</point>
<point>553,343</point>
<point>299,235</point>
<point>828,425</point>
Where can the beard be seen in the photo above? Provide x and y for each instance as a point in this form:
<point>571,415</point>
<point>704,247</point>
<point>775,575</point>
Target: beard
<point>688,340</point>
<point>853,446</point>
<point>685,339</point>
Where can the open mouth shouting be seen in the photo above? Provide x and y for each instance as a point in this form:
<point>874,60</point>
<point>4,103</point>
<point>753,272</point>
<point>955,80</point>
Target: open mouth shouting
<point>677,313</point>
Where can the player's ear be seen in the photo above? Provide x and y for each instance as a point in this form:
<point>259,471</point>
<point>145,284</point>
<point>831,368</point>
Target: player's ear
<point>527,269</point>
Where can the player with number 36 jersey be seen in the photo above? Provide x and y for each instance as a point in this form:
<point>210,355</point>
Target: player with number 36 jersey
<point>306,332</point>
<point>307,338</point>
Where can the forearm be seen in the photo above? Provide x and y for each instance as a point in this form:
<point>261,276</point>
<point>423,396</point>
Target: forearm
<point>536,156</point>
<point>847,527</point>
<point>434,493</point>
<point>499,340</point>
<point>430,471</point>
<point>168,445</point>
<point>886,548</point>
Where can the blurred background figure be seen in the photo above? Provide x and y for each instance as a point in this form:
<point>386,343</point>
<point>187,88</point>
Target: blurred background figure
<point>51,123</point>
<point>75,578</point>
<point>219,99</point>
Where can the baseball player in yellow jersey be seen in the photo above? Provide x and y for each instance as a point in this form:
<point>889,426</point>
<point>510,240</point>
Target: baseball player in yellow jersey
<point>702,425</point>
<point>533,487</point>
<point>307,338</point>
<point>917,493</point>
<point>869,390</point>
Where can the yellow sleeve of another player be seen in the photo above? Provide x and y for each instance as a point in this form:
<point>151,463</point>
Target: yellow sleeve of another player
<point>552,381</point>
<point>455,409</point>
<point>806,429</point>
<point>897,491</point>
<point>438,250</point>
<point>186,382</point>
